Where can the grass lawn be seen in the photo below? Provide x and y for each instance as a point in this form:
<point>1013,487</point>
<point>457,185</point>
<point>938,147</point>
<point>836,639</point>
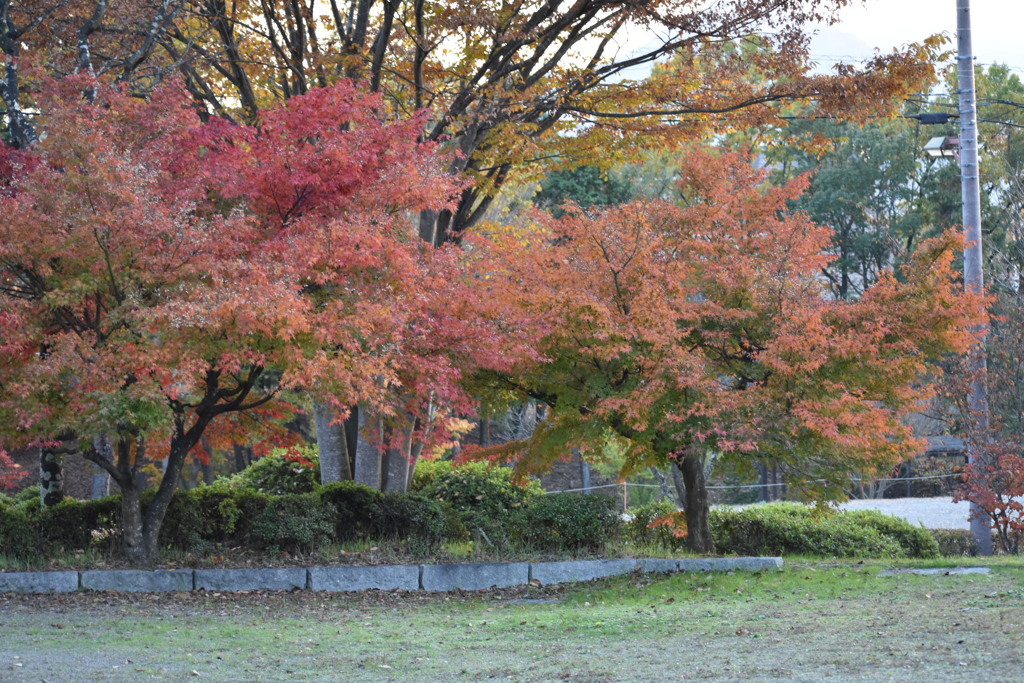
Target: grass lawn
<point>812,621</point>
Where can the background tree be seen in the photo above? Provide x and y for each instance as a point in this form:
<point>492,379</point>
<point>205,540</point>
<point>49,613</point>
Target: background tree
<point>700,330</point>
<point>869,184</point>
<point>512,83</point>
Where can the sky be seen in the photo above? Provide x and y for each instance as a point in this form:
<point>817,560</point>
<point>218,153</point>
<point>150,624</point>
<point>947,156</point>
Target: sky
<point>996,26</point>
<point>867,25</point>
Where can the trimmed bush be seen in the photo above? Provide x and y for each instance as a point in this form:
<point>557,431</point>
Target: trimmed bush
<point>283,471</point>
<point>200,519</point>
<point>793,529</point>
<point>30,495</point>
<point>422,522</point>
<point>296,522</point>
<point>640,532</point>
<point>354,508</point>
<point>70,525</point>
<point>360,512</point>
<point>484,495</point>
<point>955,542</point>
<point>916,541</point>
<point>19,533</point>
<point>569,521</point>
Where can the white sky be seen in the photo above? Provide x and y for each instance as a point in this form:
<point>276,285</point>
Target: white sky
<point>997,27</point>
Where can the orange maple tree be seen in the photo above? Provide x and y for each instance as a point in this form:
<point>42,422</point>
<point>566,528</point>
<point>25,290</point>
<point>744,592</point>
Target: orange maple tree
<point>701,329</point>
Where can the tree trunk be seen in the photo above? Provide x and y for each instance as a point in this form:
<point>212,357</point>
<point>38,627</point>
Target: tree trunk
<point>368,452</point>
<point>398,462</point>
<point>102,448</point>
<point>485,432</point>
<point>584,473</point>
<point>208,474</point>
<point>131,524</point>
<point>100,486</point>
<point>22,133</point>
<point>678,484</point>
<point>332,444</point>
<point>153,518</point>
<point>51,477</point>
<point>666,493</point>
<point>243,457</point>
<point>698,537</point>
<point>762,473</point>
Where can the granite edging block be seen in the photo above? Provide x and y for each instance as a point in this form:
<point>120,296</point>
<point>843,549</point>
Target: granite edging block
<point>250,579</point>
<point>441,577</point>
<point>38,582</point>
<point>580,570</point>
<point>139,581</point>
<point>445,577</point>
<point>378,577</point>
<point>659,565</point>
<point>721,564</point>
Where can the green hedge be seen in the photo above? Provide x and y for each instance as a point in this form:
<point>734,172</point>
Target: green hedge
<point>916,541</point>
<point>485,496</point>
<point>955,542</point>
<point>283,471</point>
<point>794,529</point>
<point>204,518</point>
<point>19,533</point>
<point>355,506</point>
<point>75,525</point>
<point>28,532</point>
<point>297,522</point>
<point>640,532</point>
<point>568,521</point>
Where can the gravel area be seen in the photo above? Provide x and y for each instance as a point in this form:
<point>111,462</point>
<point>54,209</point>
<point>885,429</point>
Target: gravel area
<point>933,513</point>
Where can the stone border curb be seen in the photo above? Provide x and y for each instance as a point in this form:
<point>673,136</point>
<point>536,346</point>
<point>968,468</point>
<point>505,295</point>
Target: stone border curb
<point>428,577</point>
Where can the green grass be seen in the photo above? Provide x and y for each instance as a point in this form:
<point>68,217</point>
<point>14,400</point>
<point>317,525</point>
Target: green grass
<point>811,621</point>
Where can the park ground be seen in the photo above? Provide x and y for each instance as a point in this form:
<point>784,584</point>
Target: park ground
<point>812,621</point>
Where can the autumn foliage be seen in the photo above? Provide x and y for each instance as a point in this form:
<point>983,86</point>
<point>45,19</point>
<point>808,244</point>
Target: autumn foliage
<point>160,273</point>
<point>994,482</point>
<point>10,472</point>
<point>700,329</point>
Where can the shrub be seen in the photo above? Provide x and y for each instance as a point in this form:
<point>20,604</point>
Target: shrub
<point>994,482</point>
<point>283,471</point>
<point>360,512</point>
<point>916,541</point>
<point>30,495</point>
<point>295,522</point>
<point>198,520</point>
<point>642,530</point>
<point>19,533</point>
<point>354,508</point>
<point>568,521</point>
<point>77,525</point>
<point>793,529</point>
<point>955,542</point>
<point>484,495</point>
<point>420,521</point>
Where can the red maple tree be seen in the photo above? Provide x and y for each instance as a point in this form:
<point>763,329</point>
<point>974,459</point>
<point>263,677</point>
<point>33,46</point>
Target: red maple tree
<point>160,273</point>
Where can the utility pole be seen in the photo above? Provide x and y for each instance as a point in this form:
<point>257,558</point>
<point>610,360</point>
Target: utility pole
<point>974,279</point>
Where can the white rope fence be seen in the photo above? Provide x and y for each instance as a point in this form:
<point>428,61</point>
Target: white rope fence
<point>627,484</point>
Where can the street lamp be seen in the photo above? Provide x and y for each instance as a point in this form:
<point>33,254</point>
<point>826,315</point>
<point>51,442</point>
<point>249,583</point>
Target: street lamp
<point>943,147</point>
